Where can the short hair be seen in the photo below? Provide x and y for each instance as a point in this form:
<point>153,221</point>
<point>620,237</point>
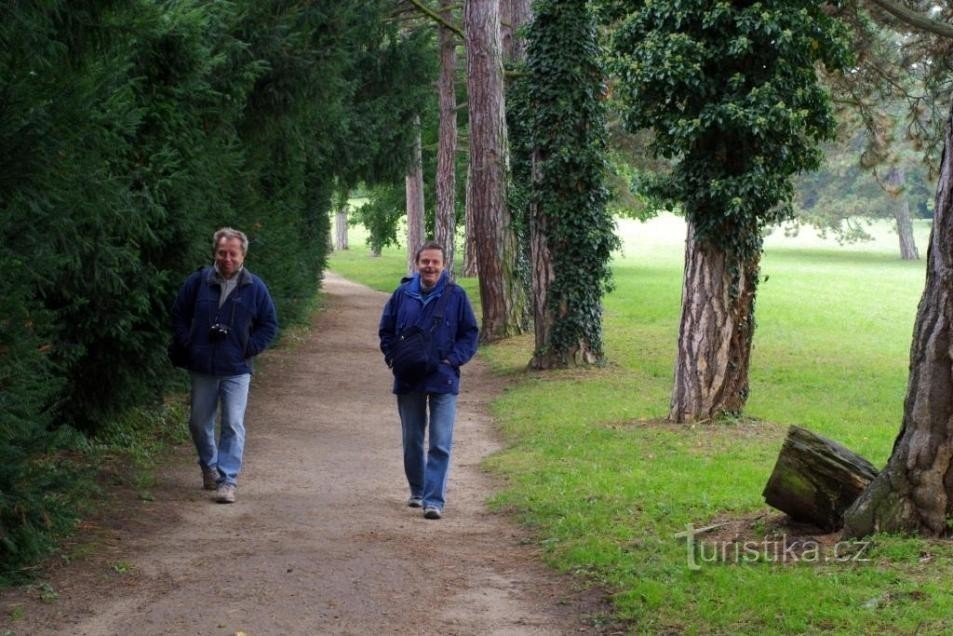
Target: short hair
<point>229,233</point>
<point>430,245</point>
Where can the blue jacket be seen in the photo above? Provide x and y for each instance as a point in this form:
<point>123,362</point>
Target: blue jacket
<point>249,313</point>
<point>455,338</point>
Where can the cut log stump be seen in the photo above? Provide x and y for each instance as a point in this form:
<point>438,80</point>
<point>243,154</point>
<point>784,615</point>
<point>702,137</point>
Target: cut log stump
<point>816,479</point>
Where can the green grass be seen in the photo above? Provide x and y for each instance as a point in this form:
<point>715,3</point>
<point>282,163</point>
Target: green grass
<point>605,485</point>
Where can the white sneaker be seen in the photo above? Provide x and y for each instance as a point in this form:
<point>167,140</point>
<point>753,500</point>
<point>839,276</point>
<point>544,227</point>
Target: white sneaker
<point>432,513</point>
<point>415,502</point>
<point>225,494</point>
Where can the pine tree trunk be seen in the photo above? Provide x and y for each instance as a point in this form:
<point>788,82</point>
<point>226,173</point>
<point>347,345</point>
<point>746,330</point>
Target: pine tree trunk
<point>715,332</point>
<point>514,15</point>
<point>414,184</point>
<point>901,213</point>
<point>446,216</point>
<point>502,295</point>
<point>470,268</point>
<point>914,493</point>
<point>340,229</point>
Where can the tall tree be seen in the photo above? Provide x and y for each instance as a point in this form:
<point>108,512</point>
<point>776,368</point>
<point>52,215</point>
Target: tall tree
<point>445,219</point>
<point>502,296</point>
<point>340,220</point>
<point>571,232</point>
<point>414,185</point>
<point>731,92</point>
<point>914,493</point>
<point>895,187</point>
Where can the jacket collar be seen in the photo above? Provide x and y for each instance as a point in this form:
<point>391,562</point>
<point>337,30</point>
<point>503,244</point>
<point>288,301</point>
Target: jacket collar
<point>212,276</point>
<point>413,287</point>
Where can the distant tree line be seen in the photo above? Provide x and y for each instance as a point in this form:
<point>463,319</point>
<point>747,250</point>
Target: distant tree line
<point>130,130</point>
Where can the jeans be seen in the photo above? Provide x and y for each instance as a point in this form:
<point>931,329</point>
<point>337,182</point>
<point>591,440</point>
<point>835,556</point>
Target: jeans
<point>427,472</point>
<point>208,391</point>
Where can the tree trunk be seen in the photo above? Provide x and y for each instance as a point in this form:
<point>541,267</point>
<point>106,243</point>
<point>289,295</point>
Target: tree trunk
<point>340,228</point>
<point>715,332</point>
<point>914,493</point>
<point>470,268</point>
<point>514,15</point>
<point>502,296</point>
<point>414,183</point>
<point>815,479</point>
<point>446,215</point>
<point>901,213</point>
<point>543,275</point>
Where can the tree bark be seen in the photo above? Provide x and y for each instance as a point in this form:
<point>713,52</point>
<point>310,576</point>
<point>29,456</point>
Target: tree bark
<point>414,184</point>
<point>895,183</point>
<point>543,274</point>
<point>715,332</point>
<point>815,479</point>
<point>914,493</point>
<point>470,268</point>
<point>503,298</point>
<point>514,15</point>
<point>446,214</point>
<point>340,228</point>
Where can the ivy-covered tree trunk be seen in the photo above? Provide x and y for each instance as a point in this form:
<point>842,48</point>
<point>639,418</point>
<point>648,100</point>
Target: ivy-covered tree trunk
<point>739,111</point>
<point>914,493</point>
<point>502,297</point>
<point>445,222</point>
<point>715,332</point>
<point>571,233</point>
<point>901,213</point>
<point>414,185</point>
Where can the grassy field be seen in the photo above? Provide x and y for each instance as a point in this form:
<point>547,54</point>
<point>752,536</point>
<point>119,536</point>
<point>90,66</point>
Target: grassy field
<point>606,485</point>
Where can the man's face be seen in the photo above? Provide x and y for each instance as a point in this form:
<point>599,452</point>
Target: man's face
<point>229,256</point>
<point>430,266</point>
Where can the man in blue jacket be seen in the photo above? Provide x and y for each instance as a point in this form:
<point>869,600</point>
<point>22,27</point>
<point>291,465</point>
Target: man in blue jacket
<point>454,340</point>
<point>223,316</point>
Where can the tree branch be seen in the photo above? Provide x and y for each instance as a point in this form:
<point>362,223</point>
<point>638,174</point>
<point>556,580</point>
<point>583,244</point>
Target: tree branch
<point>914,19</point>
<point>438,18</point>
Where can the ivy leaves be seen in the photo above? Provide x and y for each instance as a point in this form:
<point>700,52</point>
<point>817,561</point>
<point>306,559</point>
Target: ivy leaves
<point>732,94</point>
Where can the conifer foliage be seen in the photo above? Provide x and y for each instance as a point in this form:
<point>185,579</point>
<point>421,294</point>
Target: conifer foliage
<point>130,130</point>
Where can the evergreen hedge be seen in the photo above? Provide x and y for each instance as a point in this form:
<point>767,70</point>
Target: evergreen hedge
<point>131,130</point>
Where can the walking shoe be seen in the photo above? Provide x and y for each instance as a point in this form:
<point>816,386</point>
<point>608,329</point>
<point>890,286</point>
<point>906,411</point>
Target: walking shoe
<point>225,494</point>
<point>210,478</point>
<point>415,502</point>
<point>432,513</point>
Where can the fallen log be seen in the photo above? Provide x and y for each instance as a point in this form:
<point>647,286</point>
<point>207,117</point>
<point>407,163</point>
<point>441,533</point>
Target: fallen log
<point>816,479</point>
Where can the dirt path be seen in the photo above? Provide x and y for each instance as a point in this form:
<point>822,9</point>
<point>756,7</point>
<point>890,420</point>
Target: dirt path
<point>320,540</point>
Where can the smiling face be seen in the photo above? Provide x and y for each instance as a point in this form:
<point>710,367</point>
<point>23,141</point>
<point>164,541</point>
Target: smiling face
<point>430,265</point>
<point>229,256</point>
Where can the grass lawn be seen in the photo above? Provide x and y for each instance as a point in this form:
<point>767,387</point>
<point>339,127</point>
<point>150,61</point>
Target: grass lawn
<point>606,485</point>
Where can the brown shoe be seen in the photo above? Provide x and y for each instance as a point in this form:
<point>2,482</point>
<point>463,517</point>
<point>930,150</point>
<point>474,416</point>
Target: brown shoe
<point>210,478</point>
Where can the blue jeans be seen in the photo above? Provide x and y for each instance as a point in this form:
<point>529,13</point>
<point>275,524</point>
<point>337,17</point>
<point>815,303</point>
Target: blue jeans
<point>427,472</point>
<point>208,391</point>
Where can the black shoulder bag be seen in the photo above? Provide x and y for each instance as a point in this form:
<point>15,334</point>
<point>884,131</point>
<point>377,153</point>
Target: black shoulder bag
<point>414,355</point>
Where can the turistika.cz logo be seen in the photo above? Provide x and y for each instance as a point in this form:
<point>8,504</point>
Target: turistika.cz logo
<point>781,549</point>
